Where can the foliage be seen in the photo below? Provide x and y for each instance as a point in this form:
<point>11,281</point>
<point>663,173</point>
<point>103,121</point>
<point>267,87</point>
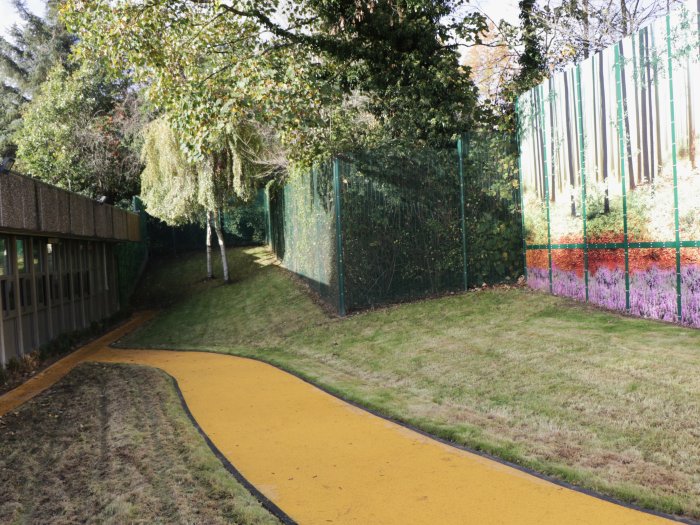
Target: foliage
<point>168,182</point>
<point>79,131</point>
<point>178,191</point>
<point>245,223</point>
<point>27,54</point>
<point>532,64</point>
<point>326,77</point>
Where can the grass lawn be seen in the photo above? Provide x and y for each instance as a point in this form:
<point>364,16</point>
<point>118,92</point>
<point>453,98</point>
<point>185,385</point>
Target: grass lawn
<point>112,444</point>
<point>604,401</point>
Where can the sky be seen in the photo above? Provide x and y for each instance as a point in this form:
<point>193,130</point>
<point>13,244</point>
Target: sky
<point>498,10</point>
<point>8,15</point>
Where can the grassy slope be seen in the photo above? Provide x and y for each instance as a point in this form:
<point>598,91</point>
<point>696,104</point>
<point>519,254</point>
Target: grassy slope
<point>608,402</point>
<point>111,444</point>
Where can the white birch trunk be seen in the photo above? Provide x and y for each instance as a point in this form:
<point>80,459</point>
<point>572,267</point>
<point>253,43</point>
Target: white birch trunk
<point>210,269</point>
<point>222,245</point>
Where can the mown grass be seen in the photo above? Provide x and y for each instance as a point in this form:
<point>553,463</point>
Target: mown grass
<point>597,399</point>
<point>112,444</point>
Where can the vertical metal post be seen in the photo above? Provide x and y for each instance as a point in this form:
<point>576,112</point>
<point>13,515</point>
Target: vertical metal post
<point>71,283</point>
<point>3,357</point>
<point>623,178</point>
<point>60,250</point>
<point>81,280</point>
<point>339,237</point>
<point>268,216</point>
<point>519,129</point>
<point>460,154</point>
<point>18,294</point>
<point>582,163</point>
<point>546,182</point>
<point>674,152</point>
<point>47,288</point>
<point>35,307</point>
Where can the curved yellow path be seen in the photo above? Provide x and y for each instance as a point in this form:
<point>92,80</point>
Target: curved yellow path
<point>324,461</point>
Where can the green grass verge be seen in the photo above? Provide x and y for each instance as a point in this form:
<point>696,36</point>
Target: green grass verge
<point>597,399</point>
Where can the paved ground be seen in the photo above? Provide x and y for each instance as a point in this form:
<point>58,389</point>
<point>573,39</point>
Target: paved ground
<point>324,461</point>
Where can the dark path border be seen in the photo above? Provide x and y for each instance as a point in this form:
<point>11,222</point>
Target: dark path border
<point>287,520</point>
<point>264,501</point>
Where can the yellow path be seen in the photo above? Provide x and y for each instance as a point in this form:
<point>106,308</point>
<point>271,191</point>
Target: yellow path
<point>50,375</point>
<point>324,461</point>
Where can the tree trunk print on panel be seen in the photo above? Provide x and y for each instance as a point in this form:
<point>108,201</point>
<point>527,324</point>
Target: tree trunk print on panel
<point>603,132</point>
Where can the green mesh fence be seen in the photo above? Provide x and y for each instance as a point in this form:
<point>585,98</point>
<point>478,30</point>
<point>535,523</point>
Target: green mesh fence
<point>131,258</point>
<point>242,226</point>
<point>383,226</point>
<point>492,208</point>
<point>401,226</point>
<point>302,230</point>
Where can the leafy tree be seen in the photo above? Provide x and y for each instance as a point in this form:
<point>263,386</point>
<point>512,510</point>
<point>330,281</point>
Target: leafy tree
<point>532,63</point>
<point>326,76</point>
<point>79,132</point>
<point>27,54</point>
<point>179,191</point>
<point>552,34</point>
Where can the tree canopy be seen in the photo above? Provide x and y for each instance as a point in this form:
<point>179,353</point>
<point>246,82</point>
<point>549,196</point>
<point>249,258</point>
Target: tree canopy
<point>325,76</point>
<point>27,55</point>
<point>80,132</point>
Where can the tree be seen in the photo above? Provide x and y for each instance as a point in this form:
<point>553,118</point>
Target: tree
<point>532,64</point>
<point>27,55</point>
<point>178,191</point>
<point>572,30</point>
<point>79,132</point>
<point>552,35</point>
<point>326,76</point>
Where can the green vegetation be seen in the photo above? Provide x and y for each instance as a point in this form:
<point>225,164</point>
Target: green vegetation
<point>597,399</point>
<point>112,444</point>
<point>80,132</point>
<point>28,53</point>
<point>321,77</point>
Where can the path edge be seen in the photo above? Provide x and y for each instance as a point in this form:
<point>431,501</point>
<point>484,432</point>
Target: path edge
<point>264,500</point>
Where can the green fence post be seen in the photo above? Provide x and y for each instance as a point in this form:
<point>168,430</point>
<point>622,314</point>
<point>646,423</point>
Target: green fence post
<point>582,162</point>
<point>460,153</point>
<point>518,140</point>
<point>679,299</point>
<point>621,137</point>
<point>545,161</point>
<point>268,217</point>
<point>339,236</point>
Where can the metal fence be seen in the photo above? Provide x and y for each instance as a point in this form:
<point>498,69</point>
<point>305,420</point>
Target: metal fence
<point>242,226</point>
<point>387,226</point>
<point>610,177</point>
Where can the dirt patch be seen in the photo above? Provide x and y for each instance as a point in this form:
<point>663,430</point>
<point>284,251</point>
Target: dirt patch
<point>111,444</point>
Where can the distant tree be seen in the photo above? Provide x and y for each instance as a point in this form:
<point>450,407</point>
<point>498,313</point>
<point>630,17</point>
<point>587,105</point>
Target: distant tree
<point>571,30</point>
<point>27,55</point>
<point>80,132</point>
<point>552,34</point>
